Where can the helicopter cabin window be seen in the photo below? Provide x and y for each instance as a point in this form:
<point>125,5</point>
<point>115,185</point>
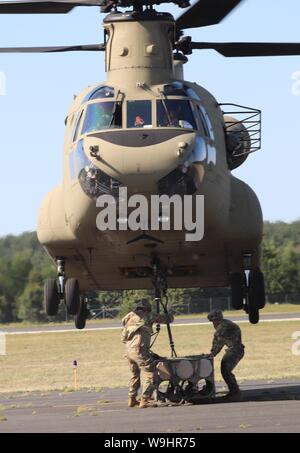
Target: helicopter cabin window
<point>102,115</point>
<point>139,114</point>
<point>175,113</point>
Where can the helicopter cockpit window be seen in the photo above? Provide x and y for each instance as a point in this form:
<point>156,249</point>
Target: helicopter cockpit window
<point>205,121</point>
<point>174,89</point>
<point>75,130</point>
<point>102,93</point>
<point>175,113</point>
<point>139,114</point>
<point>103,115</point>
<point>179,89</point>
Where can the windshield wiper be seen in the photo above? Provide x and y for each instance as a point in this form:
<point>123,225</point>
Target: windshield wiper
<point>167,112</point>
<point>113,115</point>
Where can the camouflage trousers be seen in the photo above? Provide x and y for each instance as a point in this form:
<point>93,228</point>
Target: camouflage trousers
<point>142,368</point>
<point>229,362</point>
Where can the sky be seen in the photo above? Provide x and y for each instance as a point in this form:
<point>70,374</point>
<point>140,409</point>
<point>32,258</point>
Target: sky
<point>40,88</point>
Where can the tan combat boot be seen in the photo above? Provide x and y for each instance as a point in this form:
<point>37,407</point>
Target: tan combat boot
<point>132,401</point>
<point>147,402</point>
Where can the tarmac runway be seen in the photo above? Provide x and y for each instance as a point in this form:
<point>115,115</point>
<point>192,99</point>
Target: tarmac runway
<point>275,317</point>
<point>267,407</point>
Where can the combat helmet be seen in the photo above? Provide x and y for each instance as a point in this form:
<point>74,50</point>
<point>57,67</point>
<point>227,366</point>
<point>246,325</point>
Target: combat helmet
<point>144,304</point>
<point>215,315</point>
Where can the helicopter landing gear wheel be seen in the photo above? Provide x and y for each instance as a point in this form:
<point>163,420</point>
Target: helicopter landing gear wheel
<point>257,288</point>
<point>237,290</point>
<point>254,290</point>
<point>60,262</point>
<point>252,310</point>
<point>81,317</point>
<point>72,296</point>
<point>51,297</point>
<point>256,298</point>
<point>54,289</point>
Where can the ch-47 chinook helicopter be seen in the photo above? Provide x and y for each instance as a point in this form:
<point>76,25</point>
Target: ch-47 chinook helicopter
<point>149,130</point>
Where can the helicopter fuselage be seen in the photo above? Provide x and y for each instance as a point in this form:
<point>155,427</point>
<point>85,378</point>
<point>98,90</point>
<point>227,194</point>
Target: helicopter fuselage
<point>148,130</point>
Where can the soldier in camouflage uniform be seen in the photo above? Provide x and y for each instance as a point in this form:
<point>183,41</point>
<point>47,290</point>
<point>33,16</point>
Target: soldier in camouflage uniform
<point>227,333</point>
<point>136,334</point>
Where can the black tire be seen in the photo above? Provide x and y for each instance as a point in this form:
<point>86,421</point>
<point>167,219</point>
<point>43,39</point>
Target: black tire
<point>80,318</point>
<point>257,288</point>
<point>51,297</point>
<point>72,296</point>
<point>237,290</point>
<point>253,311</point>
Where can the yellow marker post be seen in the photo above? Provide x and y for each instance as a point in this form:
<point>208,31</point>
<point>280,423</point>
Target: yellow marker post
<point>75,374</point>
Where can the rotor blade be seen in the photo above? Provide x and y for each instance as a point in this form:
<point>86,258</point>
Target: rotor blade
<point>44,6</point>
<point>250,49</point>
<point>82,48</point>
<point>206,12</point>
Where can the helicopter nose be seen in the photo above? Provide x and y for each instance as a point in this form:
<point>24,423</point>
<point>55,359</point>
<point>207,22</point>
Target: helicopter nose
<point>140,156</point>
<point>157,160</point>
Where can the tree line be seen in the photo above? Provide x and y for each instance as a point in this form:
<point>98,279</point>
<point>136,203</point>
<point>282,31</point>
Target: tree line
<point>24,266</point>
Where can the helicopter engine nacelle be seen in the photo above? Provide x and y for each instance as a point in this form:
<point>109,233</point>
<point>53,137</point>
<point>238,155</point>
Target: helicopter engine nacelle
<point>238,142</point>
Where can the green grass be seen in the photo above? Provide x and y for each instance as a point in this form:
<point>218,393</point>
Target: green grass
<point>269,309</point>
<point>44,362</point>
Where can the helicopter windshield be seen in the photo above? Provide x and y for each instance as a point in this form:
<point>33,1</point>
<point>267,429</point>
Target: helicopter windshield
<point>175,113</point>
<point>103,115</point>
<point>139,114</point>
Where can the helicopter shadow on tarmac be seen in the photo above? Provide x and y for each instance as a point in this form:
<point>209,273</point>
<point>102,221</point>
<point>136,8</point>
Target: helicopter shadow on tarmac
<point>287,392</point>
